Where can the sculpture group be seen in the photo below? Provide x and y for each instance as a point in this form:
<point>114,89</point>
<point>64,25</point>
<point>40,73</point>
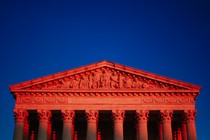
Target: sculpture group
<point>104,78</point>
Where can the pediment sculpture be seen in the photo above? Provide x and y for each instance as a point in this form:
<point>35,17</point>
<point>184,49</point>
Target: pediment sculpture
<point>104,78</point>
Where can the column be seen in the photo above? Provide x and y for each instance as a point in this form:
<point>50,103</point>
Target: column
<point>184,131</point>
<point>20,117</point>
<point>32,136</point>
<point>118,117</point>
<point>26,130</point>
<point>49,130</point>
<point>166,120</point>
<point>99,135</point>
<point>142,117</point>
<point>68,118</point>
<point>179,134</point>
<point>190,116</point>
<point>75,135</point>
<point>160,125</point>
<point>92,119</point>
<point>44,118</point>
<point>174,135</point>
<point>53,135</point>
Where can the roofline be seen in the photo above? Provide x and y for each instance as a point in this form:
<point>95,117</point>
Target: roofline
<point>109,64</point>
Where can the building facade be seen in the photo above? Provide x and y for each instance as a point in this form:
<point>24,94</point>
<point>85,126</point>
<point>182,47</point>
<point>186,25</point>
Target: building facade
<point>104,101</point>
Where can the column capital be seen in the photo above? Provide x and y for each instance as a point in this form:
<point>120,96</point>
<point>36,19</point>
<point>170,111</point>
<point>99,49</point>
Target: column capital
<point>68,115</point>
<point>142,115</point>
<point>118,115</point>
<point>190,115</point>
<point>166,115</point>
<point>20,114</point>
<point>92,115</point>
<point>44,115</point>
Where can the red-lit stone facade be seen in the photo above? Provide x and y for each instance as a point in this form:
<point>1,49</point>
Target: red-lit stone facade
<point>104,101</point>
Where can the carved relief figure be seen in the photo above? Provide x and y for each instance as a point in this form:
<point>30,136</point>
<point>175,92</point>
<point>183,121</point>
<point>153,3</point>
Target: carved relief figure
<point>128,81</point>
<point>96,80</point>
<point>121,80</point>
<point>105,79</point>
<point>114,80</point>
<point>65,83</point>
<point>75,82</point>
<point>136,83</point>
<point>145,85</point>
<point>84,82</point>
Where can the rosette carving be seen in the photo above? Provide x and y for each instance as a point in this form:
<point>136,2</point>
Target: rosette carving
<point>118,115</point>
<point>20,115</point>
<point>142,115</point>
<point>166,115</point>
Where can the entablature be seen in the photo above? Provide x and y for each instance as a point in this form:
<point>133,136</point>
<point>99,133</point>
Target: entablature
<point>102,93</point>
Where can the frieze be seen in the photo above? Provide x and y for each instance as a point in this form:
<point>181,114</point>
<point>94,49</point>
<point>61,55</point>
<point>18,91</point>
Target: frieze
<point>106,100</point>
<point>108,93</point>
<point>104,78</point>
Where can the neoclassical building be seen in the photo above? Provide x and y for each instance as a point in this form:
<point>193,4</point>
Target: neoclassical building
<point>104,101</point>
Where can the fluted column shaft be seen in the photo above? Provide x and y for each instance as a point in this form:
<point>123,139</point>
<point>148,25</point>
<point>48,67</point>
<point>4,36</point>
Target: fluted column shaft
<point>68,119</point>
<point>44,118</point>
<point>92,119</point>
<point>20,117</point>
<point>118,117</point>
<point>190,116</point>
<point>142,117</point>
<point>166,120</point>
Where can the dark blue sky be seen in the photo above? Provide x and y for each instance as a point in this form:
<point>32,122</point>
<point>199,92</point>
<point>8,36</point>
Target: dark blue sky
<point>170,38</point>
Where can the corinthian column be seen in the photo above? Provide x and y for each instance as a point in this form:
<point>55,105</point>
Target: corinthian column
<point>44,117</point>
<point>190,116</point>
<point>68,118</point>
<point>118,117</point>
<point>92,119</point>
<point>142,117</point>
<point>20,117</point>
<point>166,120</point>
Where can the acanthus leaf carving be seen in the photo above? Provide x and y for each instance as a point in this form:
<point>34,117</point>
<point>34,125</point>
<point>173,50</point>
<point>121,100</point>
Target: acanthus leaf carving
<point>92,115</point>
<point>44,115</point>
<point>142,115</point>
<point>68,115</point>
<point>190,115</point>
<point>118,115</point>
<point>20,114</point>
<point>166,115</point>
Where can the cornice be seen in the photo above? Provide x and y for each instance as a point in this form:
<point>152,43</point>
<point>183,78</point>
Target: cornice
<point>103,91</point>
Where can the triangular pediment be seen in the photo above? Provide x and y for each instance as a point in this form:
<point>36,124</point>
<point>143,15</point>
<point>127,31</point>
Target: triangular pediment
<point>104,75</point>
